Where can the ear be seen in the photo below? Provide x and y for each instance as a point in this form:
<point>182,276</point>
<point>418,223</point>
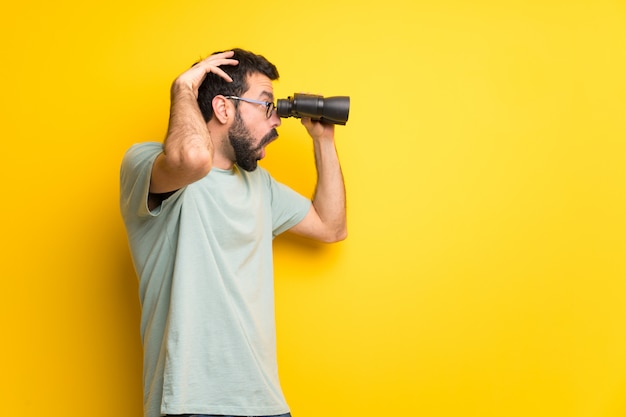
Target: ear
<point>221,108</point>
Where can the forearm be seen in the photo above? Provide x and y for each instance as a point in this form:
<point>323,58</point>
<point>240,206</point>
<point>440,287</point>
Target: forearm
<point>188,143</point>
<point>329,199</point>
<point>187,150</point>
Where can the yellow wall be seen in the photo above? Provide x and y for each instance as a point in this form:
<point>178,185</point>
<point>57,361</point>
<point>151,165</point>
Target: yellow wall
<point>485,157</point>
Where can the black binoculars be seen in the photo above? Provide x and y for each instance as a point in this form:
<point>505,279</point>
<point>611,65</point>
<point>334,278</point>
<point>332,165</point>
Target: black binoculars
<point>332,110</point>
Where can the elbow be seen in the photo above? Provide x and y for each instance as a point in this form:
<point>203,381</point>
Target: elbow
<point>341,236</point>
<point>198,161</point>
<point>194,162</point>
<point>338,235</point>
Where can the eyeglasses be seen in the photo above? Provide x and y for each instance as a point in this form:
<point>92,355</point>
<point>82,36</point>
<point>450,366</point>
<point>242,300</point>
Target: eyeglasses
<point>269,106</point>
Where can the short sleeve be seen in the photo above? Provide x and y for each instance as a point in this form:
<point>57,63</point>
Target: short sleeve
<point>135,176</point>
<point>288,207</point>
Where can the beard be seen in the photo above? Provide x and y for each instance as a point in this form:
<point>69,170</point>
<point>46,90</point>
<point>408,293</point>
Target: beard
<point>246,154</point>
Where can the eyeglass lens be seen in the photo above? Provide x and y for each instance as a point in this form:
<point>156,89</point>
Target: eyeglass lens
<point>269,110</point>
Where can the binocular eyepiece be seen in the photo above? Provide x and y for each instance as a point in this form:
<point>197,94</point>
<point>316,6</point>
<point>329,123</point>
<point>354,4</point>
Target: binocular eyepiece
<point>332,110</point>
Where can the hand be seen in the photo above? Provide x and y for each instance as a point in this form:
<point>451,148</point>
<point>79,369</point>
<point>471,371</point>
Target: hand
<point>318,130</point>
<point>193,77</point>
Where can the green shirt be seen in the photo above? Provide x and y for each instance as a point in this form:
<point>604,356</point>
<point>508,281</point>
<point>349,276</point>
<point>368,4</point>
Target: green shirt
<point>204,262</point>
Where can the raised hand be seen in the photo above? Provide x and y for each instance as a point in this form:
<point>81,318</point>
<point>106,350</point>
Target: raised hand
<point>193,77</point>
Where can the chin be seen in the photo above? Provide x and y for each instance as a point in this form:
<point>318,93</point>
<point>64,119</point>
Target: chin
<point>248,167</point>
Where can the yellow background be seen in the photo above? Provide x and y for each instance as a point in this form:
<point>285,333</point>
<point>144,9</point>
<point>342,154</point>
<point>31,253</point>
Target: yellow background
<point>485,157</point>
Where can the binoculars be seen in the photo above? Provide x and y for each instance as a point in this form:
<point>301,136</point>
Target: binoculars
<point>333,110</point>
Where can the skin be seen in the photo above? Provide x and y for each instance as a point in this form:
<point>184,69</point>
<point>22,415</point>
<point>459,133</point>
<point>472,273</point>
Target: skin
<point>192,147</point>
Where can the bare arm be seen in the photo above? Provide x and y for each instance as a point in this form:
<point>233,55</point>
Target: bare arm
<point>187,150</point>
<point>326,221</point>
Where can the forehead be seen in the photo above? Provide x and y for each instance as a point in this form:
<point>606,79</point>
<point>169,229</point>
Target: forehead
<point>259,85</point>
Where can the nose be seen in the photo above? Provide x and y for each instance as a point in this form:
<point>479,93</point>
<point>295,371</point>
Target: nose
<point>276,121</point>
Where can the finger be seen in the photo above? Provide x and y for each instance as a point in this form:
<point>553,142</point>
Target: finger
<point>223,58</point>
<point>225,54</point>
<point>221,73</point>
<point>307,123</point>
<point>209,66</point>
<point>212,64</point>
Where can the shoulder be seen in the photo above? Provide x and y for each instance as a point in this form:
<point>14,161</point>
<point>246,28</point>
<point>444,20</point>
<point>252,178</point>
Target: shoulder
<point>139,158</point>
<point>142,151</point>
<point>135,173</point>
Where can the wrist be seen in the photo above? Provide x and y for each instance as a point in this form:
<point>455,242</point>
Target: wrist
<point>180,88</point>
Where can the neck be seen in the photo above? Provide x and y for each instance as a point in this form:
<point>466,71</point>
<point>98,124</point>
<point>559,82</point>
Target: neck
<point>223,155</point>
<point>221,162</point>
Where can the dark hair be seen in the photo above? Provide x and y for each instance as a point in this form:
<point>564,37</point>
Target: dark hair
<point>213,85</point>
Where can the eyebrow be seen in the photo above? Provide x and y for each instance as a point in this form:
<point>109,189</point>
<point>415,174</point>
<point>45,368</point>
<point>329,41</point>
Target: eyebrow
<point>267,94</point>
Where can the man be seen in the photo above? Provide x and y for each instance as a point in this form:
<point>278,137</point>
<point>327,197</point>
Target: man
<point>200,218</point>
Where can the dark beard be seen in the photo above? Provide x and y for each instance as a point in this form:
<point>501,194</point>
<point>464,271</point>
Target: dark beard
<point>240,139</point>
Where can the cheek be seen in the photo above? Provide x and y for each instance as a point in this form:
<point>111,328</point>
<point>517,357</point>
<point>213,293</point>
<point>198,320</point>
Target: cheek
<point>254,124</point>
<point>257,130</point>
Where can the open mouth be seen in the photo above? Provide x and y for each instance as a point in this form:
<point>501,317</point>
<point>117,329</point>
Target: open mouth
<point>269,138</point>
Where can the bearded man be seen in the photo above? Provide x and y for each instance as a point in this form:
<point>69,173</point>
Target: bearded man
<point>200,217</point>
